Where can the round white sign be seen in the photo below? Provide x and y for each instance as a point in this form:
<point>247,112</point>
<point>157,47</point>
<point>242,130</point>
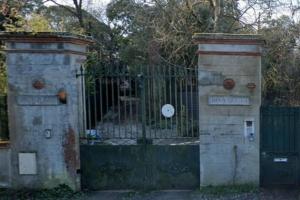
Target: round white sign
<point>168,110</point>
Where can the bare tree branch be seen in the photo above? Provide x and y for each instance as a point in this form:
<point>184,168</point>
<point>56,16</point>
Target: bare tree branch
<point>63,6</point>
<point>78,10</point>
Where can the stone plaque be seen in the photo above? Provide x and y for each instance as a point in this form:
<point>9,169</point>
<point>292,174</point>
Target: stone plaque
<point>229,100</point>
<point>27,164</point>
<point>37,100</point>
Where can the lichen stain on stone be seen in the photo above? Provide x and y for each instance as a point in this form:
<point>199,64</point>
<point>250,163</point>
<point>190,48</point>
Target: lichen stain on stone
<point>37,121</point>
<point>67,60</point>
<point>12,88</point>
<point>70,154</point>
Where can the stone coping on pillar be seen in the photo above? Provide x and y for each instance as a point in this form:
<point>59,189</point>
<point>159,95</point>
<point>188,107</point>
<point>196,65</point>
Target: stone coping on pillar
<point>228,44</point>
<point>45,37</point>
<point>4,144</point>
<point>223,38</point>
<point>45,42</point>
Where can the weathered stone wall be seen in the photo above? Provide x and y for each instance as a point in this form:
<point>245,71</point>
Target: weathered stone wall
<point>229,154</point>
<point>44,131</point>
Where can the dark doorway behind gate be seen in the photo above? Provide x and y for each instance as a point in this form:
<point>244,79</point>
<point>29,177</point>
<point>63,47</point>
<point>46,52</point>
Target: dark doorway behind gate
<point>142,128</point>
<point>280,146</point>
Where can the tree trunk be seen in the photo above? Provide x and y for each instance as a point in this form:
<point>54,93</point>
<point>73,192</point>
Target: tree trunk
<point>78,7</point>
<point>218,8</point>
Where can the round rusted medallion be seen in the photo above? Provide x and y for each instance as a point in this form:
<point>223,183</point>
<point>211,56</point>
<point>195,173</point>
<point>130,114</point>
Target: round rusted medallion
<point>228,84</point>
<point>38,84</point>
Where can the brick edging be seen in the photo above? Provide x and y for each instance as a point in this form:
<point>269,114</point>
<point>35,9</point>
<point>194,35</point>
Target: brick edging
<point>4,144</point>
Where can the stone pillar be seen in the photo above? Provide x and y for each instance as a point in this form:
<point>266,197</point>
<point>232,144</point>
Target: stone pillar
<point>230,98</point>
<point>44,125</point>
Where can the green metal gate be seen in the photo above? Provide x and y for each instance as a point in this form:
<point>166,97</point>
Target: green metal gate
<point>128,142</point>
<point>280,137</point>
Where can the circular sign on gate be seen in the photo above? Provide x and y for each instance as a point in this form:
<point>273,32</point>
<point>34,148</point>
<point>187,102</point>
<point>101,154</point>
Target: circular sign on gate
<point>167,110</point>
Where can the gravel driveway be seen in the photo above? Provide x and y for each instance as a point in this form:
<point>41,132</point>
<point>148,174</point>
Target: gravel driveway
<point>263,194</point>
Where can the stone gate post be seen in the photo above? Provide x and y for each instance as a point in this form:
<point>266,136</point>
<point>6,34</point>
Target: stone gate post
<point>45,107</point>
<point>229,103</point>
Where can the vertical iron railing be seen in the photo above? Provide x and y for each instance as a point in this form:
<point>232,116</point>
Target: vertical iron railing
<point>4,132</point>
<point>126,103</point>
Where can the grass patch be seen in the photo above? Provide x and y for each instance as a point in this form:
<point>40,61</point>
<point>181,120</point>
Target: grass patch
<point>228,190</point>
<point>62,192</point>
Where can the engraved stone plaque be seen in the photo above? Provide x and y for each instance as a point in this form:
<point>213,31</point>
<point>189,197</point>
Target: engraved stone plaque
<point>27,164</point>
<point>37,100</point>
<point>229,100</point>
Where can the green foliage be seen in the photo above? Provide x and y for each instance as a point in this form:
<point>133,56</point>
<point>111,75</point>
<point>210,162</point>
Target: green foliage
<point>131,29</point>
<point>281,62</point>
<point>62,192</point>
<point>104,51</point>
<point>13,13</point>
<point>163,30</point>
<point>61,20</point>
<point>10,19</point>
<point>38,23</point>
<point>26,7</point>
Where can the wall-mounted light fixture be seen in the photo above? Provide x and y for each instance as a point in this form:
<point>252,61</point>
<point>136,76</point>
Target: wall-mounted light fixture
<point>62,96</point>
<point>251,86</point>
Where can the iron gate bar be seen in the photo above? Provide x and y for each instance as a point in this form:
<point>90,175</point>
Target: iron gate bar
<point>170,99</point>
<point>186,100</point>
<point>192,110</point>
<point>82,99</point>
<point>143,107</point>
<point>126,103</point>
<point>4,130</point>
<point>95,96</point>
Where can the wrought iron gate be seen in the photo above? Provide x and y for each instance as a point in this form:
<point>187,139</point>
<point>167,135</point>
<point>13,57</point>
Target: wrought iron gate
<point>129,143</point>
<point>124,105</point>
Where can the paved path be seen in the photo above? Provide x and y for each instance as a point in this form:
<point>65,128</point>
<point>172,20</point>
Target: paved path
<point>264,194</point>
